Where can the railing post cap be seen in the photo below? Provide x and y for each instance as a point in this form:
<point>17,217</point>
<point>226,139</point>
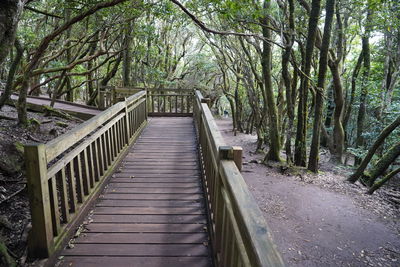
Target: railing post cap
<point>205,100</point>
<point>226,152</point>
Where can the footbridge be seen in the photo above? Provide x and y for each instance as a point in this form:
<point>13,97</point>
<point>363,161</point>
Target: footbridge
<point>149,181</point>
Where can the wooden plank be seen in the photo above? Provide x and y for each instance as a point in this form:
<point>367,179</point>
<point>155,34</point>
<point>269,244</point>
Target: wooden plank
<point>175,250</point>
<point>149,210</point>
<point>154,190</point>
<point>104,202</point>
<point>69,261</point>
<point>144,196</point>
<point>145,228</point>
<point>142,238</point>
<point>156,175</point>
<point>114,184</point>
<point>174,180</point>
<point>150,219</point>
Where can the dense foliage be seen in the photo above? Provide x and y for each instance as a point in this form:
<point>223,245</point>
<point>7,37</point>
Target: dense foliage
<point>300,74</point>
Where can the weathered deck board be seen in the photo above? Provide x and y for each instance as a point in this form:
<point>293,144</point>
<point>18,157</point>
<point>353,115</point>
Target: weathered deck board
<point>79,110</point>
<point>152,213</point>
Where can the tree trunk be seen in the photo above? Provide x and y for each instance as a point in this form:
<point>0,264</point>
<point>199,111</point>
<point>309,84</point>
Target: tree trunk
<point>319,102</point>
<point>127,57</point>
<point>380,167</point>
<point>11,74</point>
<point>10,12</point>
<point>288,85</point>
<point>330,107</point>
<point>381,182</point>
<point>381,138</point>
<point>354,77</point>
<point>364,87</point>
<point>300,156</point>
<point>266,62</point>
<point>338,132</point>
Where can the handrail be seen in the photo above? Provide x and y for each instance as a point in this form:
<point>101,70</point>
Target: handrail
<point>170,102</point>
<point>239,234</point>
<point>65,174</point>
<point>110,95</point>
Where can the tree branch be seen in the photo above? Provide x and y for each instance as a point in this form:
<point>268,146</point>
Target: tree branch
<point>42,12</point>
<point>203,26</point>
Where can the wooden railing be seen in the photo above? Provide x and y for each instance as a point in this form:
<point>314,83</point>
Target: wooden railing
<point>110,95</point>
<point>170,102</point>
<point>66,173</point>
<point>239,234</point>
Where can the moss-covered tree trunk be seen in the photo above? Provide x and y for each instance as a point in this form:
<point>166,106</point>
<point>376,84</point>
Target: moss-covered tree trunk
<point>272,112</point>
<point>378,142</point>
<point>364,86</point>
<point>11,73</point>
<point>319,101</point>
<point>10,12</point>
<point>382,181</point>
<point>300,156</point>
<point>381,166</point>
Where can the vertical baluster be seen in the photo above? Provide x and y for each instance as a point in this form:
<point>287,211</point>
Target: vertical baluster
<point>62,187</point>
<point>182,105</point>
<point>101,155</point>
<point>127,129</point>
<point>71,187</point>
<point>152,102</point>
<point>106,148</point>
<point>176,103</point>
<point>132,122</point>
<point>170,103</point>
<point>165,103</point>
<point>117,138</point>
<point>79,178</point>
<point>112,143</point>
<point>86,174</point>
<point>227,242</point>
<point>91,165</point>
<point>158,102</point>
<point>123,132</point>
<point>55,210</point>
<point>220,227</point>
<point>96,165</point>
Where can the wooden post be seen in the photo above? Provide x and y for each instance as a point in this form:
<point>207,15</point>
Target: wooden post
<point>237,156</point>
<point>232,153</point>
<point>40,239</point>
<point>226,152</point>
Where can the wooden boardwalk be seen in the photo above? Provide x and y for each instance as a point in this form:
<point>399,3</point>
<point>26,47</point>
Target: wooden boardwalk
<point>78,110</point>
<point>152,213</point>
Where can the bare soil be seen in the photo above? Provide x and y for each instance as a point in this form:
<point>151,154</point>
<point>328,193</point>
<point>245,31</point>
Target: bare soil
<point>14,204</point>
<point>319,219</point>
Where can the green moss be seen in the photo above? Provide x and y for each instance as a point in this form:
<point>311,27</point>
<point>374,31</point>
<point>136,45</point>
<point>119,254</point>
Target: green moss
<point>34,122</point>
<point>19,147</point>
<point>5,258</point>
<point>62,124</point>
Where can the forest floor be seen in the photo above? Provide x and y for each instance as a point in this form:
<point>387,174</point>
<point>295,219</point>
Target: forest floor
<point>14,204</point>
<point>321,220</point>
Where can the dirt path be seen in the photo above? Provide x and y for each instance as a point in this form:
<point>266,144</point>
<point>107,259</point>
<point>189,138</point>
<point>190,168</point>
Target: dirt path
<point>317,220</point>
